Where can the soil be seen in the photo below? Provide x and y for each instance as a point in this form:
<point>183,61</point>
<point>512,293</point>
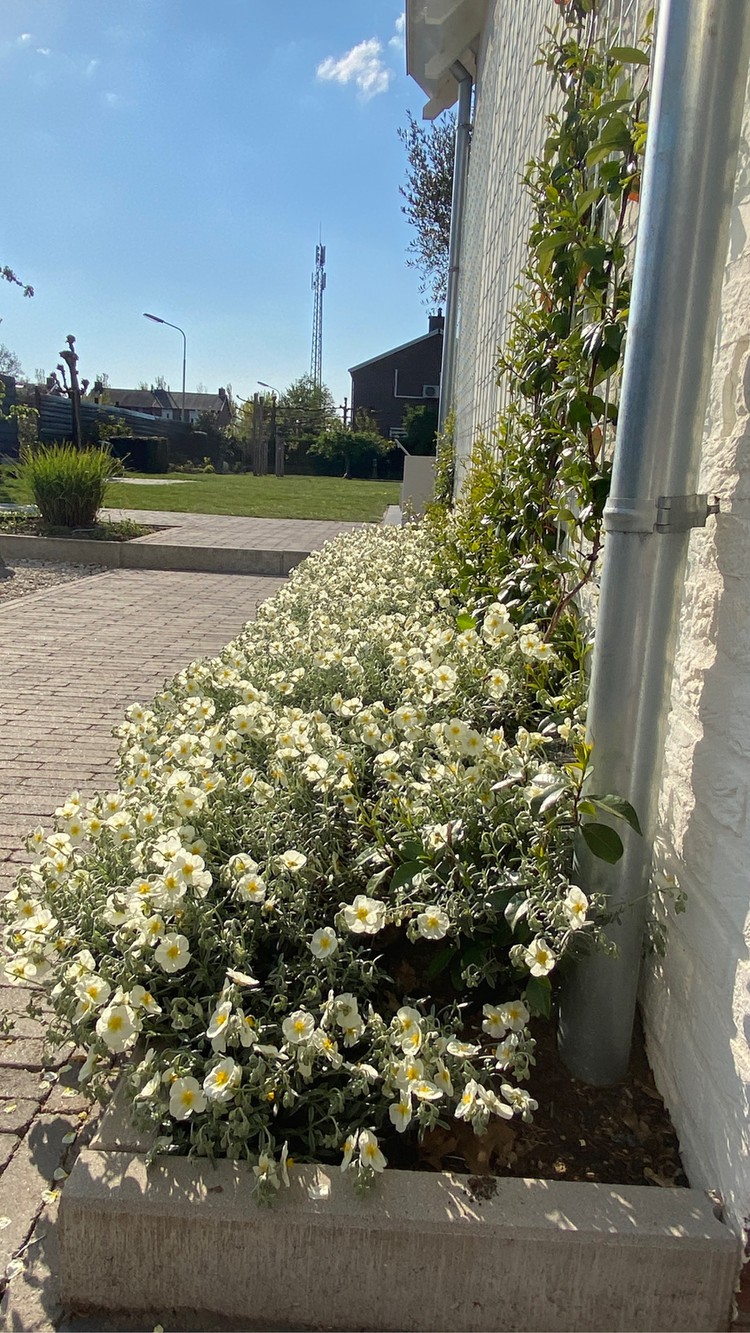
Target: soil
<point>617,1136</point>
<point>25,525</point>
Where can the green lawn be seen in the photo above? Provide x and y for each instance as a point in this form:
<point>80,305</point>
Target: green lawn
<point>245,495</point>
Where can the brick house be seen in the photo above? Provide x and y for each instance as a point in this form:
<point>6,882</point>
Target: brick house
<point>407,375</point>
<point>167,405</point>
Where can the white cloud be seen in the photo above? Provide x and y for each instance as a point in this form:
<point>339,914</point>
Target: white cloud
<point>112,99</point>
<point>397,41</point>
<point>91,68</point>
<point>25,37</point>
<point>363,66</point>
<point>43,51</point>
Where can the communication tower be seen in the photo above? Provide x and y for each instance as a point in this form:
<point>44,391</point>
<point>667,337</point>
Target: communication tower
<point>318,286</point>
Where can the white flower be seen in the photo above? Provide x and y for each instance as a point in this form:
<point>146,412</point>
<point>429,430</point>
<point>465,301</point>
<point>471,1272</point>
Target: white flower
<point>251,888</point>
<point>143,1000</point>
<point>350,1144</point>
<point>117,1027</point>
<point>173,953</point>
<point>217,1025</point>
<point>365,916</point>
<point>186,1098</point>
<point>425,1090</point>
<point>369,1152</point>
<point>400,1113</point>
<point>433,924</point>
<point>93,990</point>
<point>291,861</point>
<point>539,957</point>
<point>462,1049</point>
<point>575,906</point>
<point>223,1081</point>
<point>298,1027</point>
<point>467,1100</point>
<point>324,943</point>
<point>521,1101</point>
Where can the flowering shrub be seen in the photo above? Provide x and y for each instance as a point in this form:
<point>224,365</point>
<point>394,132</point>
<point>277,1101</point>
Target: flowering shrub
<point>333,884</point>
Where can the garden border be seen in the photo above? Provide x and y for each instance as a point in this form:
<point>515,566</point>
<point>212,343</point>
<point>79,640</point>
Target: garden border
<point>423,1251</point>
<point>151,555</point>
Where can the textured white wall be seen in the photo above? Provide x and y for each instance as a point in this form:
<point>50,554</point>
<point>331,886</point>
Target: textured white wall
<point>512,96</point>
<point>697,1000</point>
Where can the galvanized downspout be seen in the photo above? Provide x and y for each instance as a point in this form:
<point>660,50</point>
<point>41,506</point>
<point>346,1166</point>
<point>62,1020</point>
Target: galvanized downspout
<point>458,200</point>
<point>700,66</point>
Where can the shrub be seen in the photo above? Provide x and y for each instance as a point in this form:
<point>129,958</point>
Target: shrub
<point>68,484</point>
<point>334,882</point>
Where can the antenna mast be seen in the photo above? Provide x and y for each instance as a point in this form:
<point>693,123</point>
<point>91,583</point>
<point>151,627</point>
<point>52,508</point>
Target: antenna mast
<point>318,286</point>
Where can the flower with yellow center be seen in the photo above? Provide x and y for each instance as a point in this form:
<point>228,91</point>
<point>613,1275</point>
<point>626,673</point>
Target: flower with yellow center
<point>370,1155</point>
<point>186,1098</point>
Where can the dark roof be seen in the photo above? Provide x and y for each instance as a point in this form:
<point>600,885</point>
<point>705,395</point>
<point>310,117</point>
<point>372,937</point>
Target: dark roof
<point>434,333</point>
<point>152,400</point>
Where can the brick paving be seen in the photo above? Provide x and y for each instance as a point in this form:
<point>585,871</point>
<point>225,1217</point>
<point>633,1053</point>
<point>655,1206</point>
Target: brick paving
<point>254,534</point>
<point>71,659</point>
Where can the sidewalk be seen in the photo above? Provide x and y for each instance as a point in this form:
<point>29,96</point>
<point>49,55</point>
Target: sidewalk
<point>72,658</point>
<point>207,543</point>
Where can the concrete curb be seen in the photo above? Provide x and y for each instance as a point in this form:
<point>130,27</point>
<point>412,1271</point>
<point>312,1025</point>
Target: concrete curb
<point>421,1252</point>
<point>152,555</point>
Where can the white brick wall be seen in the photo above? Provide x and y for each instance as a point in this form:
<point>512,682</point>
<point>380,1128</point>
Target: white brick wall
<point>697,1000</point>
<point>513,96</point>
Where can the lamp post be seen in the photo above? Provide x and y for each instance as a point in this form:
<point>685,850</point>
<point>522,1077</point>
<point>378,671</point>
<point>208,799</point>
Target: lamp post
<point>157,320</point>
<point>278,445</point>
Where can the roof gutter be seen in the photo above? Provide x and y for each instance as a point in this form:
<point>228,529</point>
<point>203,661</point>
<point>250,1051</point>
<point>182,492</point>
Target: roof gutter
<point>458,208</point>
<point>700,66</point>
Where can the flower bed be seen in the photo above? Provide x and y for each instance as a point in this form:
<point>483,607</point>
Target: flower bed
<point>334,882</point>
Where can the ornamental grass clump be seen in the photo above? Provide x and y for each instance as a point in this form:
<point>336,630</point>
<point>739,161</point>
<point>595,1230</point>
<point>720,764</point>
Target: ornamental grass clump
<point>67,484</point>
<point>334,881</point>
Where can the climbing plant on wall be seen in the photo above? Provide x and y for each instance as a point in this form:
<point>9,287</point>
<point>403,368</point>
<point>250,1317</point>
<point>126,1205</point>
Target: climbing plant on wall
<point>528,523</point>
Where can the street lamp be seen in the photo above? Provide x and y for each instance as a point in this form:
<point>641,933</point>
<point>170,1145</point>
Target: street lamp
<point>263,385</point>
<point>157,320</point>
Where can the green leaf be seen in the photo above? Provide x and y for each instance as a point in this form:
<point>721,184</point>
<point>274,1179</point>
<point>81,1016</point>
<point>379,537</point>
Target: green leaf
<point>549,244</point>
<point>405,874</point>
<point>538,997</point>
<point>465,621</point>
<point>410,851</point>
<point>602,841</point>
<point>516,909</point>
<point>586,199</point>
<point>620,808</point>
<point>628,55</point>
<point>443,958</point>
<point>375,881</point>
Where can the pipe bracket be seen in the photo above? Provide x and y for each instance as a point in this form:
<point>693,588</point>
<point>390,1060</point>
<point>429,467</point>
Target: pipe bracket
<point>668,513</point>
<point>680,513</point>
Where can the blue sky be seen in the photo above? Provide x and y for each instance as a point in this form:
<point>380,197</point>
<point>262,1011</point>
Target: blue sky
<point>180,157</point>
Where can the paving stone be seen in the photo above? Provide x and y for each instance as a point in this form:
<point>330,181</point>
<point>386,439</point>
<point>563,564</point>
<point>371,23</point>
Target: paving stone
<point>17,1113</point>
<point>24,1053</point>
<point>20,1083</point>
<point>27,1175</point>
<point>8,1145</point>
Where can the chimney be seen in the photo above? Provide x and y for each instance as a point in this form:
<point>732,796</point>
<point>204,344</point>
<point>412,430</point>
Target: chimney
<point>436,322</point>
<point>222,393</point>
